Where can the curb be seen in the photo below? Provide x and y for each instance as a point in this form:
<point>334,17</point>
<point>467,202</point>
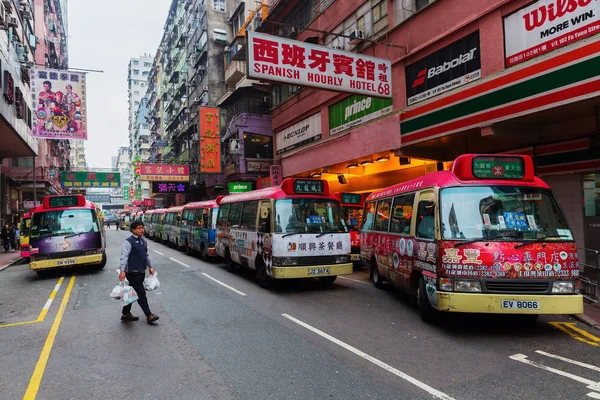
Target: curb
<point>10,264</point>
<point>587,320</point>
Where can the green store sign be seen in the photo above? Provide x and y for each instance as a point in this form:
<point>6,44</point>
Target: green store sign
<point>356,110</point>
<point>239,187</point>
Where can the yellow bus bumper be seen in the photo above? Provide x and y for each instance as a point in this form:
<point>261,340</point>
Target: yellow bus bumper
<point>65,262</point>
<point>313,271</point>
<point>492,303</point>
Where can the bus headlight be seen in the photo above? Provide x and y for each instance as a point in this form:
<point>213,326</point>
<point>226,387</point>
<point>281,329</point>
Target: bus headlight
<point>342,259</point>
<point>285,261</point>
<point>446,284</point>
<point>563,287</point>
<point>467,285</point>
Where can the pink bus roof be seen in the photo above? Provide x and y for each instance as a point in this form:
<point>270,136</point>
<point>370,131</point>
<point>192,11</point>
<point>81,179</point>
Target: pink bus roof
<point>201,204</point>
<point>175,209</point>
<point>277,192</point>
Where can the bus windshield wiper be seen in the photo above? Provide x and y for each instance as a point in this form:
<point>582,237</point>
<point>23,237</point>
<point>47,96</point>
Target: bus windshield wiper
<point>485,239</point>
<point>73,234</point>
<point>328,232</point>
<point>291,233</point>
<point>543,238</point>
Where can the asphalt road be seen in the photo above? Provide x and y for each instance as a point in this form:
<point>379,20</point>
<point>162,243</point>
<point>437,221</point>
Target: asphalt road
<point>297,341</point>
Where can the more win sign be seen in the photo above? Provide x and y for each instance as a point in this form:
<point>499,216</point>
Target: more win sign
<point>276,59</point>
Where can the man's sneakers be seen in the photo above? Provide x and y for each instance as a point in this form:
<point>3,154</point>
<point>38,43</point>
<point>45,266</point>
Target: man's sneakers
<point>152,318</point>
<point>129,317</point>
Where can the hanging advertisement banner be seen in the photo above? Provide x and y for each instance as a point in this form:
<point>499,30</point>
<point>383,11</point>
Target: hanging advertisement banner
<point>277,59</point>
<point>98,197</point>
<point>210,140</point>
<point>356,110</point>
<point>87,179</point>
<point>125,192</point>
<point>547,25</point>
<point>59,104</point>
<point>448,68</point>
<point>164,172</point>
<point>301,133</point>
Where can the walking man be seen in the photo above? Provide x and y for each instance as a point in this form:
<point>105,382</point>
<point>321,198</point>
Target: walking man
<point>134,261</point>
<point>6,237</point>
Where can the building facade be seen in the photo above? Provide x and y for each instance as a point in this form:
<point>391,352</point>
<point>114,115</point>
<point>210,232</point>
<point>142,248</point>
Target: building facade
<point>77,157</point>
<point>31,32</point>
<point>488,78</point>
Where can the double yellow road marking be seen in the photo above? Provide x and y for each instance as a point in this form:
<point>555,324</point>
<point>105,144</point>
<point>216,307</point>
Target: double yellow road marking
<point>44,311</point>
<point>576,333</point>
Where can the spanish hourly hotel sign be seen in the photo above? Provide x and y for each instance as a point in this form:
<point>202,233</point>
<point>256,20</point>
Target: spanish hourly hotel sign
<point>547,25</point>
<point>277,59</point>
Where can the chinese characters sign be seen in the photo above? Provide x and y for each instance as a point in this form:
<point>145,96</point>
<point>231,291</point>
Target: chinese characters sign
<point>86,179</point>
<point>547,25</point>
<point>210,140</point>
<point>302,186</point>
<point>164,172</point>
<point>125,192</point>
<point>275,175</point>
<point>59,102</point>
<point>277,59</point>
<point>498,167</point>
<point>170,187</point>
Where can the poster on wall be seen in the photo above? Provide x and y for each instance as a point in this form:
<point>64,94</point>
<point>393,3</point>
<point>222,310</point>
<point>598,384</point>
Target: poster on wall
<point>59,104</point>
<point>301,133</point>
<point>547,25</point>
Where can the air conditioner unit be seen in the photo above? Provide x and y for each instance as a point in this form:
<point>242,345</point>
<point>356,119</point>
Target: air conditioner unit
<point>205,88</point>
<point>13,21</point>
<point>196,100</point>
<point>356,36</point>
<point>204,27</point>
<point>227,48</point>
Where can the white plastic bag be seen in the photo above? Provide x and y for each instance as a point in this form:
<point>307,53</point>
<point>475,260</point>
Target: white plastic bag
<point>151,282</point>
<point>116,292</point>
<point>128,295</point>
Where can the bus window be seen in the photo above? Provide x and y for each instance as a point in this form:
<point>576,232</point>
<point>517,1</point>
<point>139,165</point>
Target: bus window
<point>369,217</point>
<point>223,215</point>
<point>264,218</point>
<point>249,215</point>
<point>382,217</point>
<point>235,211</point>
<point>402,213</point>
<point>212,222</point>
<point>54,223</point>
<point>426,220</point>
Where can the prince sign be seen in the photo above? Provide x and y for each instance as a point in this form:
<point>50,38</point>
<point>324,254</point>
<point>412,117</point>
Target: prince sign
<point>276,59</point>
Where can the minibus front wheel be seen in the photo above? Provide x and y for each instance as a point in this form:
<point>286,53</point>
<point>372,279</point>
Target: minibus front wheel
<point>428,313</point>
<point>375,275</point>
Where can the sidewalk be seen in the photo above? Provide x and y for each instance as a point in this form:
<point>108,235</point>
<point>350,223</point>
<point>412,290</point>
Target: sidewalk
<point>7,259</point>
<point>591,315</point>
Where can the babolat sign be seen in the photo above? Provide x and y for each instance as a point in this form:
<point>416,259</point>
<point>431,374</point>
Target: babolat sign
<point>446,69</point>
<point>356,110</point>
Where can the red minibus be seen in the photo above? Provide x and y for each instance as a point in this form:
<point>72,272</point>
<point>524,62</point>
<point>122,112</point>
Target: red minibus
<point>353,204</point>
<point>485,237</point>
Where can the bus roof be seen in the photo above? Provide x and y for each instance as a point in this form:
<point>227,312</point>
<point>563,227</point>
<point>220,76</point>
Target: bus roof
<point>175,209</point>
<point>79,201</point>
<point>160,211</point>
<point>462,175</point>
<point>150,211</point>
<point>201,204</point>
<point>288,190</point>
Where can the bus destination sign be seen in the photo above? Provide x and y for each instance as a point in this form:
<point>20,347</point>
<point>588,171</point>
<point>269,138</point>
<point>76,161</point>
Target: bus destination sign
<point>305,186</point>
<point>498,167</point>
<point>63,201</point>
<point>351,198</point>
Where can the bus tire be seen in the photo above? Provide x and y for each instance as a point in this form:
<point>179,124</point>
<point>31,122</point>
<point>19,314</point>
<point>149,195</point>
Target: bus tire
<point>428,313</point>
<point>376,276</point>
<point>229,264</point>
<point>204,254</point>
<point>327,281</point>
<point>263,279</point>
<point>188,249</point>
<point>103,263</point>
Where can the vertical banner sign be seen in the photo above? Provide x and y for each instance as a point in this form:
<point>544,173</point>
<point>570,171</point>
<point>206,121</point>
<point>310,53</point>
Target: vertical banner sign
<point>210,140</point>
<point>275,175</point>
<point>125,192</point>
<point>277,59</point>
<point>59,104</point>
<point>547,25</point>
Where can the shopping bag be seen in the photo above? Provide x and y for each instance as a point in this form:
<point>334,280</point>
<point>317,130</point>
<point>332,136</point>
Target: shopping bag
<point>151,282</point>
<point>117,290</point>
<point>128,296</point>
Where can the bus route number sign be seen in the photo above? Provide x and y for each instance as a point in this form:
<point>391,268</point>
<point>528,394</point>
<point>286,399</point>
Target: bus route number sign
<point>498,167</point>
<point>350,198</point>
<point>63,201</point>
<point>305,186</point>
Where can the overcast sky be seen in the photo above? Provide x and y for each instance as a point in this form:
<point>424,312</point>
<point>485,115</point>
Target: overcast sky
<point>104,35</point>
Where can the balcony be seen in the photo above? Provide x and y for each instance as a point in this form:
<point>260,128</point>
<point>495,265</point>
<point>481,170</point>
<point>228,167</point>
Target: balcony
<point>235,72</point>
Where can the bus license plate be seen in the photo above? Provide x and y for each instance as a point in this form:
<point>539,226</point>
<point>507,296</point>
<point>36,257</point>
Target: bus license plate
<point>70,261</point>
<point>355,257</point>
<point>318,271</point>
<point>521,304</point>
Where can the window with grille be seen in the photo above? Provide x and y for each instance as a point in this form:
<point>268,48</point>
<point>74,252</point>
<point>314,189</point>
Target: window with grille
<point>380,13</point>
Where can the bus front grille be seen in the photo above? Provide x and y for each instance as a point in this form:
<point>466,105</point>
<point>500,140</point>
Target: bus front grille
<point>520,286</point>
<point>316,260</point>
<point>66,254</point>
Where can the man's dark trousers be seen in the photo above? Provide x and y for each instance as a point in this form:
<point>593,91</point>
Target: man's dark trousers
<point>136,281</point>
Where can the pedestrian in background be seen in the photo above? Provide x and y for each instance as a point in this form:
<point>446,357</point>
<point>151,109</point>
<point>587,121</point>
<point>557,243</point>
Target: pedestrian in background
<point>5,235</point>
<point>13,238</point>
<point>135,259</point>
<point>17,237</point>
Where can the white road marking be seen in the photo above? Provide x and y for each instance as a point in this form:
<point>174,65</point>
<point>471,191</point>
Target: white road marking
<point>523,358</point>
<point>389,368</point>
<point>584,365</point>
<point>225,285</point>
<point>594,395</point>
<point>354,280</point>
<point>179,262</point>
<point>158,252</point>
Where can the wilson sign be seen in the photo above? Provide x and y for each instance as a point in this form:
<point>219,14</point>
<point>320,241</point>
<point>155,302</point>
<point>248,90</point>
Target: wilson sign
<point>547,25</point>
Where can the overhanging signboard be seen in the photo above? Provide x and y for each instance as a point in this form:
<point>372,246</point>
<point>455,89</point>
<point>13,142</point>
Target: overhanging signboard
<point>87,179</point>
<point>170,187</point>
<point>98,197</point>
<point>547,25</point>
<point>301,133</point>
<point>164,172</point>
<point>356,110</point>
<point>455,65</point>
<point>276,59</point>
